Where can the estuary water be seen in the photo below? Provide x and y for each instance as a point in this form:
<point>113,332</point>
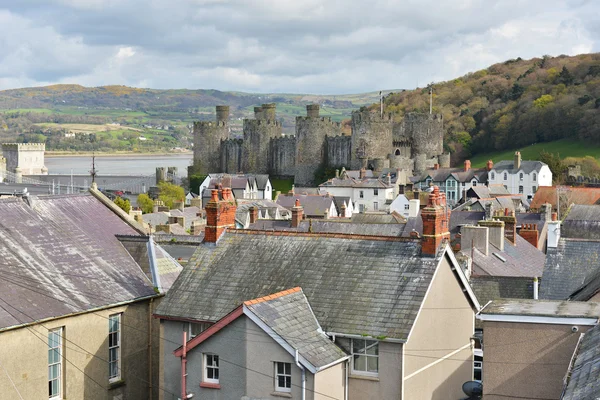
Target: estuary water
<point>118,165</point>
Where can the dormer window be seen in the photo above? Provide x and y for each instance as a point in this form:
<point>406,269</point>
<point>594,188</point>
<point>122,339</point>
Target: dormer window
<point>493,176</point>
<point>534,177</point>
<point>505,176</point>
<point>521,176</point>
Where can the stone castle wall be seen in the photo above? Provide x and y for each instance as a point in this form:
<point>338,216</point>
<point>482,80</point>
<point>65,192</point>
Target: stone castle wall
<point>414,144</point>
<point>25,158</point>
<point>338,150</point>
<point>311,132</point>
<point>231,156</point>
<point>207,141</point>
<point>258,133</point>
<point>371,137</point>
<point>283,156</point>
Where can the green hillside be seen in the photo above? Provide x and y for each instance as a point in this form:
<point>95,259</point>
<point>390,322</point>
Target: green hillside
<point>513,104</point>
<point>565,148</point>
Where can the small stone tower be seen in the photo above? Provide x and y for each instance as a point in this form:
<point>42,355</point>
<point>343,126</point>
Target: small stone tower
<point>371,137</point>
<point>311,132</point>
<point>258,133</point>
<point>207,142</point>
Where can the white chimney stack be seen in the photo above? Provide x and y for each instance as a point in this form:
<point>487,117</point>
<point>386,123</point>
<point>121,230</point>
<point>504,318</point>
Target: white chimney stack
<point>413,208</point>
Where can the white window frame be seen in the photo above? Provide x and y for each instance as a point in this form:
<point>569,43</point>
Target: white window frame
<point>361,194</point>
<point>277,374</point>
<point>55,355</point>
<point>493,176</point>
<point>521,189</point>
<point>114,347</point>
<point>407,206</point>
<point>505,176</point>
<point>520,176</point>
<point>209,363</point>
<point>201,327</point>
<point>375,206</point>
<point>534,177</point>
<point>375,192</point>
<point>366,344</point>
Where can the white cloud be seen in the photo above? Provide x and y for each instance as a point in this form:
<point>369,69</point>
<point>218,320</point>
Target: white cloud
<point>306,46</point>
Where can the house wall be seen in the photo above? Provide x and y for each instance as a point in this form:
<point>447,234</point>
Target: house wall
<point>388,382</point>
<point>24,355</point>
<point>526,360</point>
<point>513,181</point>
<point>400,204</point>
<point>261,354</point>
<point>369,198</point>
<point>445,322</point>
<point>331,382</point>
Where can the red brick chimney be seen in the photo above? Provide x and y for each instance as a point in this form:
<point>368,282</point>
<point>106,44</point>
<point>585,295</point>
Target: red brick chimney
<point>297,214</point>
<point>436,166</point>
<point>467,165</point>
<point>220,214</point>
<point>530,233</point>
<point>490,165</point>
<point>253,214</point>
<point>436,221</point>
<point>362,173</point>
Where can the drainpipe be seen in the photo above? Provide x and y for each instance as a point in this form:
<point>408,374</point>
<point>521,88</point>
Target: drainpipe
<point>535,288</point>
<point>303,375</point>
<point>346,388</point>
<point>183,367</point>
<point>150,385</point>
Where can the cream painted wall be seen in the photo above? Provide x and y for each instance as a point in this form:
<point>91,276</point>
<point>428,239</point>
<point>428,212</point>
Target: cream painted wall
<point>330,383</point>
<point>24,355</point>
<point>443,329</point>
<point>524,359</point>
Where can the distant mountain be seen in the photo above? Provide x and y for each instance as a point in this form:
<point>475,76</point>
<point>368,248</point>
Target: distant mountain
<point>513,104</point>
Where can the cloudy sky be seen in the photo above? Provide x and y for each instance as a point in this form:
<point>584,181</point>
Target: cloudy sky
<point>306,46</point>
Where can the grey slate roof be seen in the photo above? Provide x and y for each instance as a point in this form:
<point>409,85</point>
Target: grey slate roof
<point>543,308</point>
<point>526,166</point>
<point>378,218</point>
<point>291,317</point>
<point>584,382</point>
<point>313,205</point>
<point>569,266</point>
<point>582,222</point>
<point>354,285</point>
<point>441,174</point>
<point>488,288</point>
<point>521,259</point>
<point>331,226</point>
<point>60,256</point>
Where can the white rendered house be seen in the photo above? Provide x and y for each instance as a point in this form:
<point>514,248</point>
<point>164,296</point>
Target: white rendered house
<point>520,177</point>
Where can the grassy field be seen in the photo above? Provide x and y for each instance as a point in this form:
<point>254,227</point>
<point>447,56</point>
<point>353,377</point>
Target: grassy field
<point>88,128</point>
<point>564,147</point>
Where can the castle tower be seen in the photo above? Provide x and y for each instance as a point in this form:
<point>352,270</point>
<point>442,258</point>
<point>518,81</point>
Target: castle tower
<point>426,132</point>
<point>371,137</point>
<point>207,142</point>
<point>27,157</point>
<point>311,132</point>
<point>258,133</point>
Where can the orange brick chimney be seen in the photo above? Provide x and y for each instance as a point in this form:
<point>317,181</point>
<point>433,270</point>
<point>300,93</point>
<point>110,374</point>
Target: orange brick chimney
<point>467,165</point>
<point>436,221</point>
<point>220,214</point>
<point>490,165</point>
<point>510,225</point>
<point>297,214</point>
<point>253,214</point>
<point>530,233</point>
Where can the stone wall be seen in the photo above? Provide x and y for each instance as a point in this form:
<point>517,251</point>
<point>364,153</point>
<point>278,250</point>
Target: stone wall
<point>231,156</point>
<point>207,142</point>
<point>427,133</point>
<point>283,157</point>
<point>28,157</point>
<point>338,151</point>
<point>371,137</point>
<point>257,137</point>
<point>311,132</point>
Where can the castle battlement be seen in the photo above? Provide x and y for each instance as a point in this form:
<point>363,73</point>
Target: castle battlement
<point>371,116</point>
<point>206,124</point>
<point>262,122</point>
<point>24,146</point>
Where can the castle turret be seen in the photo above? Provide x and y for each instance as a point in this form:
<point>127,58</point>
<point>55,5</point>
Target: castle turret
<point>207,142</point>
<point>311,132</point>
<point>426,132</point>
<point>257,137</point>
<point>371,137</point>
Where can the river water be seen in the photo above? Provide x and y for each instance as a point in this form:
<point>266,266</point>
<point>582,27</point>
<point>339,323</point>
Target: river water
<point>118,165</point>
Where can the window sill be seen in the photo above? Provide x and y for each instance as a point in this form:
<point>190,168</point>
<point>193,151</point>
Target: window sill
<point>364,377</point>
<point>282,394</point>
<point>116,384</point>
<point>210,385</point>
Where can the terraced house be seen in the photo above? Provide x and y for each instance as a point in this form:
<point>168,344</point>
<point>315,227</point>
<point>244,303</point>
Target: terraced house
<point>318,315</point>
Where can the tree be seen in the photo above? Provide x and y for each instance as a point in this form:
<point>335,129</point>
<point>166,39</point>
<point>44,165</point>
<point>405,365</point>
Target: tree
<point>169,193</point>
<point>555,164</point>
<point>566,77</point>
<point>145,203</point>
<point>123,204</point>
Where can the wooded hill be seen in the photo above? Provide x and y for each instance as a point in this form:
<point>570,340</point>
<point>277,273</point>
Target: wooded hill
<point>513,104</point>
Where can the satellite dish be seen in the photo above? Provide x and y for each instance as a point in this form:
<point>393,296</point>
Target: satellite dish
<point>472,388</point>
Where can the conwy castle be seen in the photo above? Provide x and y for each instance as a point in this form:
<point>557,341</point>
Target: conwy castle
<point>376,142</point>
